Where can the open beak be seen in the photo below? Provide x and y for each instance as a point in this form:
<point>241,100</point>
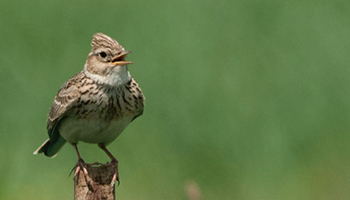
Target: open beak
<point>119,59</point>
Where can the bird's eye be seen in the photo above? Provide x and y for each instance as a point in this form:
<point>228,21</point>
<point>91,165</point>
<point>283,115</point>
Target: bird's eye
<point>103,54</point>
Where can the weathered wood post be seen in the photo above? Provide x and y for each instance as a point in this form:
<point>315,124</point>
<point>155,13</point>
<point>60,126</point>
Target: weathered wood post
<point>100,186</point>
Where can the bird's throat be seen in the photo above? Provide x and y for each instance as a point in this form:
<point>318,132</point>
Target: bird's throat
<point>115,76</point>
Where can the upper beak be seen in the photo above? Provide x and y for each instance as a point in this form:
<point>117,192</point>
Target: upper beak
<point>119,59</point>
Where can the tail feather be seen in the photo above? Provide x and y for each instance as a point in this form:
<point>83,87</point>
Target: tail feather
<point>51,148</point>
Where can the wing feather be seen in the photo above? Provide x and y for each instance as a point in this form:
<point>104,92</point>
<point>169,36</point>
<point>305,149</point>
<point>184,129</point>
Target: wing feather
<point>66,98</point>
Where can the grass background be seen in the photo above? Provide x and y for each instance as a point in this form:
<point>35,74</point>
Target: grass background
<point>249,99</point>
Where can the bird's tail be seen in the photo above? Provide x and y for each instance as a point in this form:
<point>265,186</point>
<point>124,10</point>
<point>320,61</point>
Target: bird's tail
<point>51,148</point>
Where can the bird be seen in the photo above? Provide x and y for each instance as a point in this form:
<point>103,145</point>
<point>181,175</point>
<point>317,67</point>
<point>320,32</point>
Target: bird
<point>96,104</point>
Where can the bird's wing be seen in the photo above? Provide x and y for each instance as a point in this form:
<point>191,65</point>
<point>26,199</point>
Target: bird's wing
<point>66,98</point>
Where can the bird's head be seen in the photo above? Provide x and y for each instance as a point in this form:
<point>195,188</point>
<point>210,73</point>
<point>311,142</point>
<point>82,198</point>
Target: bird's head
<point>107,58</point>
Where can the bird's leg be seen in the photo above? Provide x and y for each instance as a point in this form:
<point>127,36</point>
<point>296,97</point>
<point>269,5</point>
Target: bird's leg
<point>81,165</point>
<point>113,162</point>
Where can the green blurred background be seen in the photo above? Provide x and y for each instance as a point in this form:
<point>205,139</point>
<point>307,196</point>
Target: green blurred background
<point>247,99</point>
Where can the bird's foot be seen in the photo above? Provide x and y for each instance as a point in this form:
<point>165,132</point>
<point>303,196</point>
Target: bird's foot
<point>86,164</point>
<point>81,166</point>
<point>115,178</point>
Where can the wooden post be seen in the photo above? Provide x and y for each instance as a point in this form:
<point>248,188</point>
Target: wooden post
<point>100,186</point>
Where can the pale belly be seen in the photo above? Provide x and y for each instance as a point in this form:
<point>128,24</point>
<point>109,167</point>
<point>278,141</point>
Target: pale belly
<point>92,131</point>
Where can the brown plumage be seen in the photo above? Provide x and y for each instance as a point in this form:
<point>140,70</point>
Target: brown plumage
<point>95,105</point>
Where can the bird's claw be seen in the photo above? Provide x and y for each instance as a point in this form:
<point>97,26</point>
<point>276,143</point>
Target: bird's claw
<point>116,174</point>
<point>81,166</point>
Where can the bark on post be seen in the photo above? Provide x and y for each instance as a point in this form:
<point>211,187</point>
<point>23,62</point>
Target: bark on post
<point>101,177</point>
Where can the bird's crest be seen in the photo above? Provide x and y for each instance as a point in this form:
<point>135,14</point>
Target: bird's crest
<point>101,40</point>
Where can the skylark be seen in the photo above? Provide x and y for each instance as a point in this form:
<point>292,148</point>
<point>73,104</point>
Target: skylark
<point>95,105</point>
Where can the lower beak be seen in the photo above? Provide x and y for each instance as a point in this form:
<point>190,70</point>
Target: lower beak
<point>119,59</point>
